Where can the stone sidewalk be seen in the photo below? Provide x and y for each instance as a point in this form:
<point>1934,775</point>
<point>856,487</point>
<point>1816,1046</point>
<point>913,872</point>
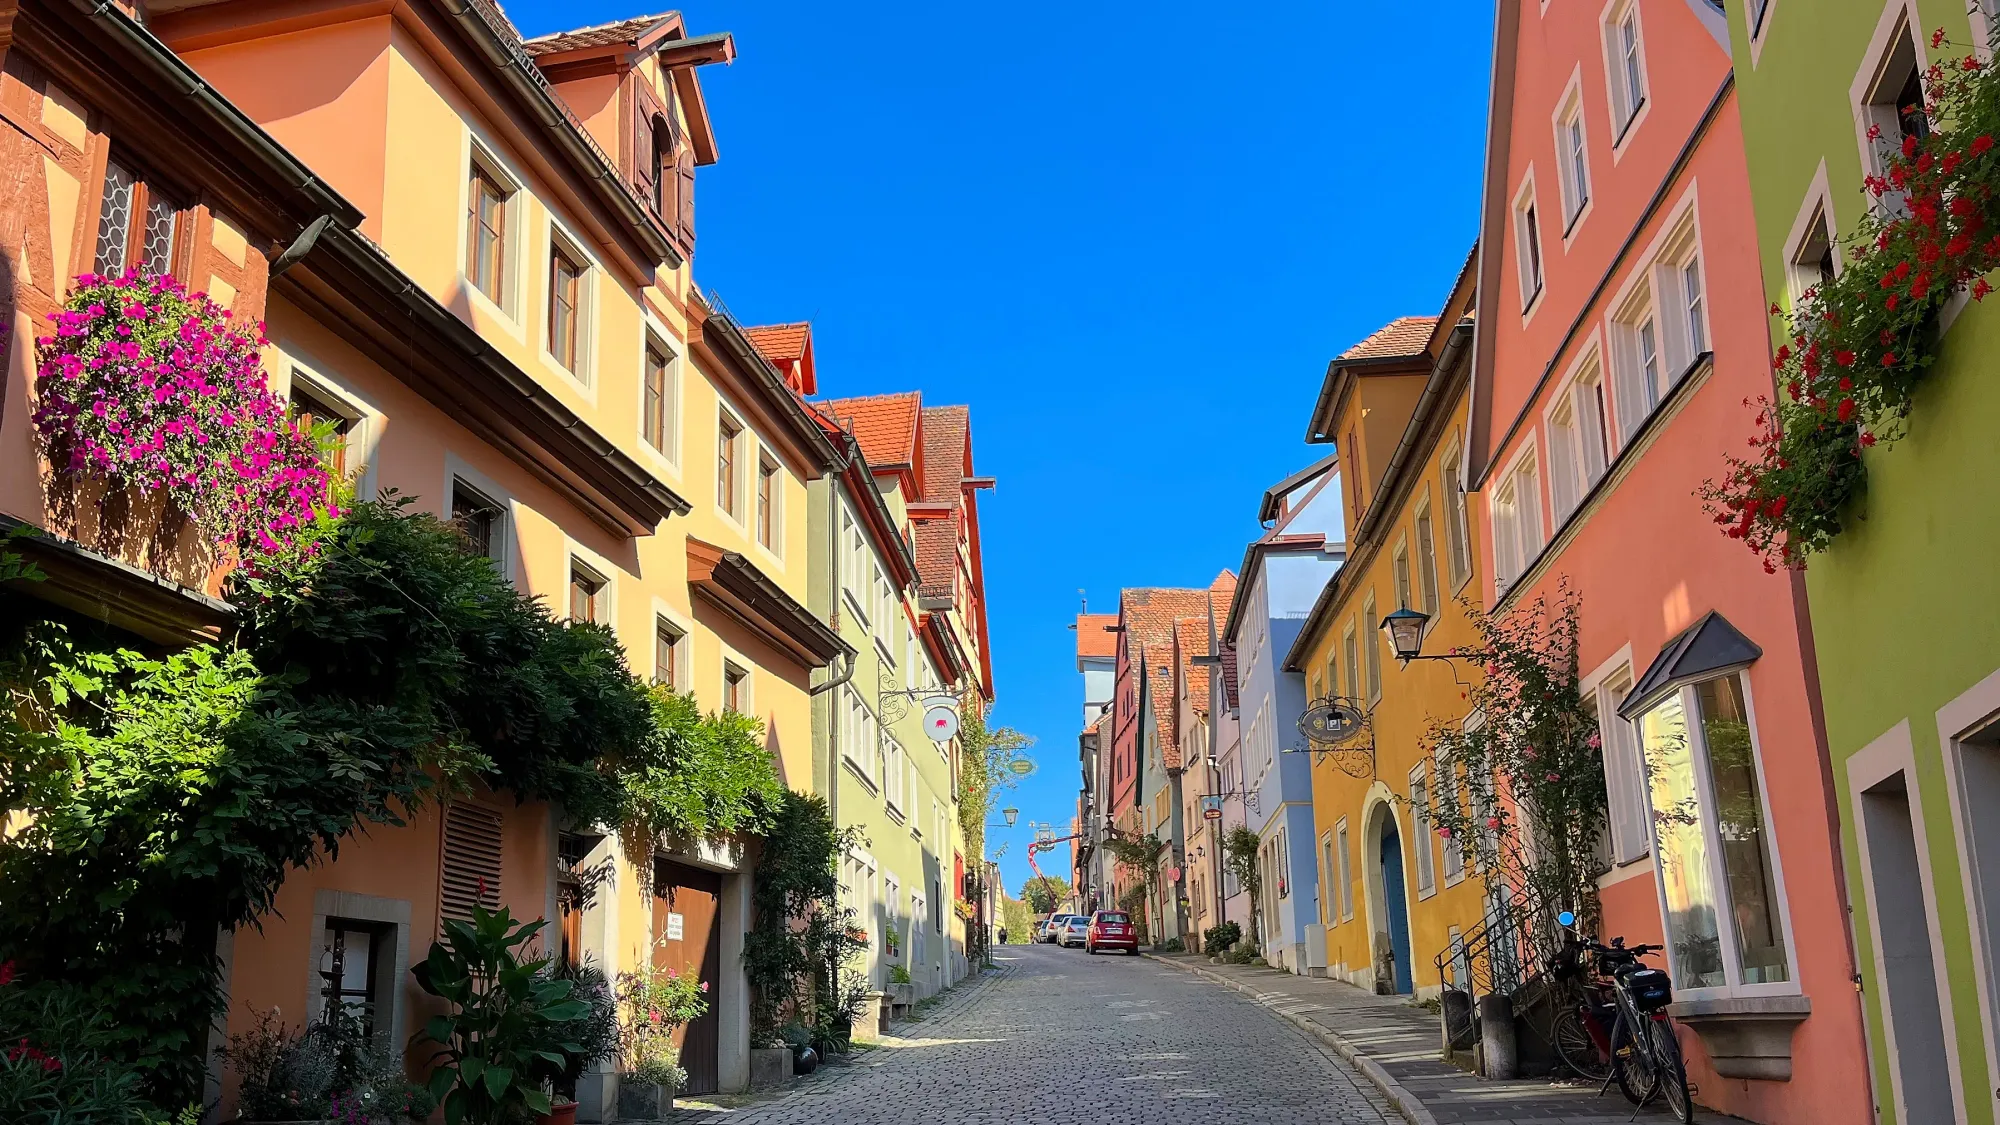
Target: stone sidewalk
<point>1396,1045</point>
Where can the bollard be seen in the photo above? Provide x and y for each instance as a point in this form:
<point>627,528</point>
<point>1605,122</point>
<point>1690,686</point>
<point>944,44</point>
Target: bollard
<point>1496,1038</point>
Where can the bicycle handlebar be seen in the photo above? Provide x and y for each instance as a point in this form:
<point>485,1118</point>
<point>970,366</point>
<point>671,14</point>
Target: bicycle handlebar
<point>1622,950</point>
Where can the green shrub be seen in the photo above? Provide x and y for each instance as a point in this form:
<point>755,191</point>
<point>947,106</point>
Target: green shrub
<point>1171,945</point>
<point>54,1069</point>
<point>1218,939</point>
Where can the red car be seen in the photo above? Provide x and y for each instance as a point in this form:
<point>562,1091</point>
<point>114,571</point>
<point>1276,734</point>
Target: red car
<point>1111,929</point>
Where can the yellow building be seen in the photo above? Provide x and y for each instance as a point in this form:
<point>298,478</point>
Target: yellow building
<point>1395,406</point>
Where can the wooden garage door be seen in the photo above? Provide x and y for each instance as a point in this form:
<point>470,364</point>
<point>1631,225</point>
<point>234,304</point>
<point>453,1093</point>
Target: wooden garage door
<point>686,937</point>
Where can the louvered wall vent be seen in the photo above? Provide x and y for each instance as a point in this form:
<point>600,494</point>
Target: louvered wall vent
<point>471,854</point>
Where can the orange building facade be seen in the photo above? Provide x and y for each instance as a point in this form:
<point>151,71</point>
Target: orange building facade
<point>472,251</point>
<point>1620,334</point>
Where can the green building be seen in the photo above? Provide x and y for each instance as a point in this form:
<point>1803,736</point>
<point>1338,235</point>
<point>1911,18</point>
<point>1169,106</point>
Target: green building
<point>893,550</point>
<point>1903,601</point>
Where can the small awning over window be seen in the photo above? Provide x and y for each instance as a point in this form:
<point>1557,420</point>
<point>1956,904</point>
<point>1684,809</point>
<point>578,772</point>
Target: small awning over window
<point>1703,650</point>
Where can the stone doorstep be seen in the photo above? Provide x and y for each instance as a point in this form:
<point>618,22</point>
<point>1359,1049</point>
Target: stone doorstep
<point>1460,1096</point>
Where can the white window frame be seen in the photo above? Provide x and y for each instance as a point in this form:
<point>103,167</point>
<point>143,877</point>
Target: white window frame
<point>593,566</point>
<point>585,376</point>
<point>1705,797</point>
<point>765,454</point>
<point>1421,831</point>
<point>457,470</point>
<point>1517,519</point>
<point>858,732</point>
<point>1405,578</point>
<point>1430,587</point>
<point>1815,211</point>
<point>1626,814</point>
<point>654,334</point>
<point>1329,910</point>
<point>1531,270</point>
<point>1445,786</point>
<point>1345,889</point>
<point>895,776</point>
<point>1350,655</point>
<point>364,422</point>
<point>1628,104</point>
<point>856,556</point>
<point>1576,430</point>
<point>1757,25</point>
<point>477,150</point>
<point>1572,146</point>
<point>1371,646</point>
<point>1458,532</point>
<point>744,461</point>
<point>1900,22</point>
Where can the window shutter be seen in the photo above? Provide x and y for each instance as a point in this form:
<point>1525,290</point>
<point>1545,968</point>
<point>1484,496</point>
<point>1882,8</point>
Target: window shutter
<point>641,166</point>
<point>684,168</point>
<point>470,872</point>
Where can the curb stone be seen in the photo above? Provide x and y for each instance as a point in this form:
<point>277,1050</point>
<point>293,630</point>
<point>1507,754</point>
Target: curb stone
<point>1406,1103</point>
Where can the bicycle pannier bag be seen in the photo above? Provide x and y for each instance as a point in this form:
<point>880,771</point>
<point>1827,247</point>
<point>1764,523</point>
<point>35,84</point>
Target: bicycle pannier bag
<point>1651,989</point>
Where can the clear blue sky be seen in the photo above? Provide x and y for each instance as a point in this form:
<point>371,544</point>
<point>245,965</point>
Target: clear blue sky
<point>1129,235</point>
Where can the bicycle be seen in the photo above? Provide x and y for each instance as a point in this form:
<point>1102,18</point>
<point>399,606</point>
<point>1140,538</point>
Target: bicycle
<point>1642,1051</point>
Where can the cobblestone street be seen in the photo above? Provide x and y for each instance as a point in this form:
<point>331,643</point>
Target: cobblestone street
<point>1062,1036</point>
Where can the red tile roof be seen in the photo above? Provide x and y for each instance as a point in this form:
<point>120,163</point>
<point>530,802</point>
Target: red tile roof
<point>937,557</point>
<point>885,425</point>
<point>780,343</point>
<point>1092,636</point>
<point>947,435</point>
<point>1148,614</point>
<point>1403,336</point>
<point>596,35</point>
<point>1191,638</point>
<point>789,348</point>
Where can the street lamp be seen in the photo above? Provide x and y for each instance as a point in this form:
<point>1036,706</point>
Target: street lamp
<point>1405,630</point>
<point>1010,815</point>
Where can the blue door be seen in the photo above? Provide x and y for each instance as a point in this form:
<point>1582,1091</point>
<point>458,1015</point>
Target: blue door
<point>1399,910</point>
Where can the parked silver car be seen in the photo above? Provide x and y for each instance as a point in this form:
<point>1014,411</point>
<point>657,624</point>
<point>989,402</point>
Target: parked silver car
<point>1051,929</point>
<point>1075,932</point>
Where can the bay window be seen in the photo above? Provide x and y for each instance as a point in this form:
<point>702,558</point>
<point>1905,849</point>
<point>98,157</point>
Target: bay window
<point>1717,867</point>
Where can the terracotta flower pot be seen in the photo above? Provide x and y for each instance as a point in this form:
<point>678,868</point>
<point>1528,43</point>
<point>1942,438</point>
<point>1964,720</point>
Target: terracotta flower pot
<point>562,1113</point>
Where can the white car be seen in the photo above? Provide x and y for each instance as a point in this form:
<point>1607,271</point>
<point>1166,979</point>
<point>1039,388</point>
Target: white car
<point>1051,930</point>
<point>1075,932</point>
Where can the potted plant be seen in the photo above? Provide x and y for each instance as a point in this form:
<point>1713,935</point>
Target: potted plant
<point>656,1002</point>
<point>506,1039</point>
<point>330,1071</point>
<point>799,1039</point>
<point>595,1032</point>
<point>902,990</point>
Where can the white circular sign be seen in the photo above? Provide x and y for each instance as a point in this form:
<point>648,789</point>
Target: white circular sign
<point>941,722</point>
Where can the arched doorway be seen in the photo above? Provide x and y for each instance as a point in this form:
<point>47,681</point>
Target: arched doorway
<point>1389,869</point>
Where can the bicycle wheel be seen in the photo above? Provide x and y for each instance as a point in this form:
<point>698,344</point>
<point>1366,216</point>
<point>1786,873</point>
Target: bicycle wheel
<point>1578,1048</point>
<point>1671,1071</point>
<point>1632,1065</point>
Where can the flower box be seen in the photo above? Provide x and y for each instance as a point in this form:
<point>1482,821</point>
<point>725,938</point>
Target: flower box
<point>643,1101</point>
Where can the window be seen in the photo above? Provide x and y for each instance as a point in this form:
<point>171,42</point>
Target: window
<point>1813,262</point>
<point>656,407</point>
<point>1577,450</point>
<point>565,305</point>
<point>1427,564</point>
<point>1715,856</point>
<point>1573,162</point>
<point>1624,782</point>
<point>1517,523</point>
<point>589,594</point>
<point>1329,909</point>
<point>347,969</point>
<point>859,735</point>
<point>1696,322</point>
<point>480,520</point>
<point>1627,68</point>
<point>1371,644</point>
<point>735,688</point>
<point>1420,835</point>
<point>138,224</point>
<point>667,656</point>
<point>1454,848</point>
<point>1636,355</point>
<point>1350,655</point>
<point>1528,249</point>
<point>312,410</point>
<point>728,451</point>
<point>1344,877</point>
<point>1405,597</point>
<point>895,774</point>
<point>767,502</point>
<point>1893,108</point>
<point>1458,544</point>
<point>486,233</point>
